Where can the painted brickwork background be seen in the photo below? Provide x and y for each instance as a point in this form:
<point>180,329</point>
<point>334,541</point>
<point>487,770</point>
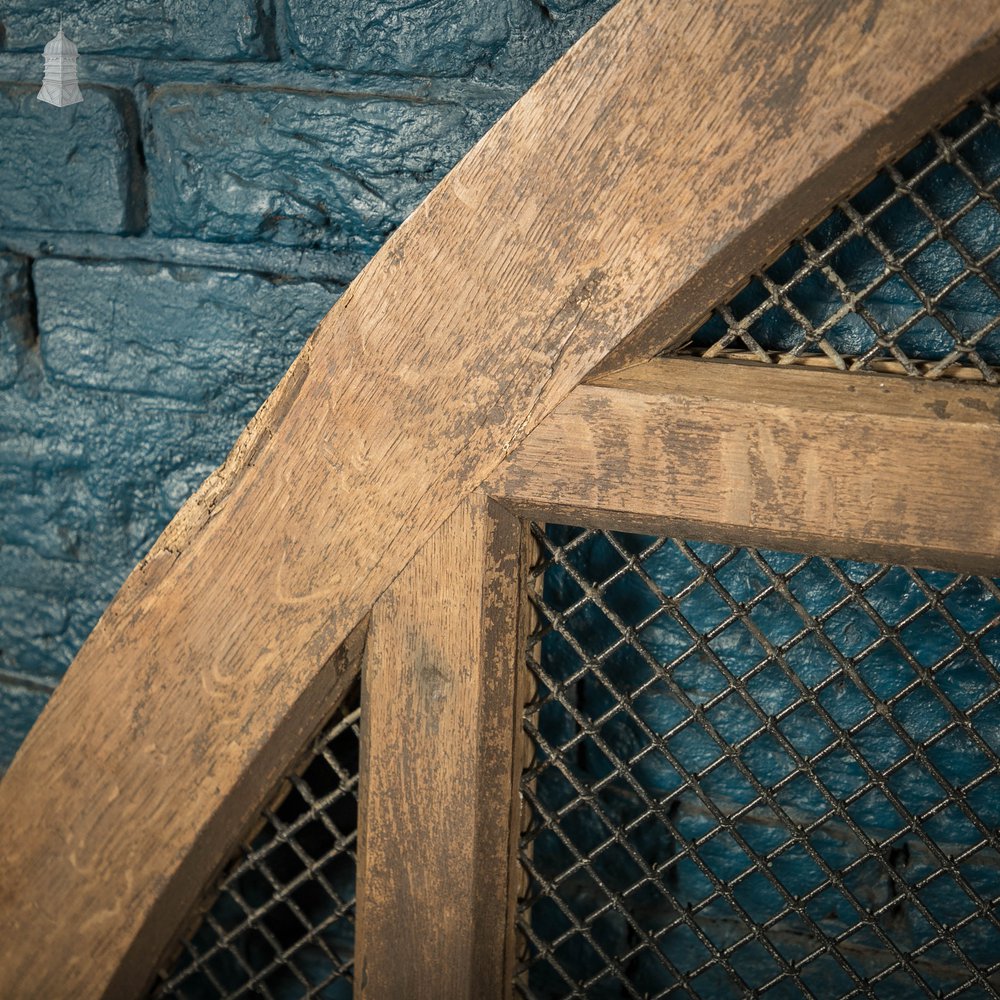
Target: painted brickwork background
<point>167,245</point>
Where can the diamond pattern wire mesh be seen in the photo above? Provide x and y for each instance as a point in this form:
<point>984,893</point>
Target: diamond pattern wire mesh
<point>758,774</point>
<point>903,277</point>
<point>281,924</point>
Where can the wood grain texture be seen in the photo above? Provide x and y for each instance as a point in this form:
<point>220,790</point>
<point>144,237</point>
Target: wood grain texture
<point>863,466</point>
<point>677,146</point>
<point>437,776</point>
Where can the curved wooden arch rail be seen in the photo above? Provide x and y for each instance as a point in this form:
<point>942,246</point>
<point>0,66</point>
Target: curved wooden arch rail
<point>673,149</point>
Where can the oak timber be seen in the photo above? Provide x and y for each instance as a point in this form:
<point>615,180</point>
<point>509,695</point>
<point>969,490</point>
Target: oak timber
<point>671,151</point>
<point>437,771</point>
<point>865,466</point>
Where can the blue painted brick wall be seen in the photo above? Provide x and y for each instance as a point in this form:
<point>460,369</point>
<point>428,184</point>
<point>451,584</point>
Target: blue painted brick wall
<point>69,169</point>
<point>167,245</point>
<point>171,29</point>
<point>342,171</point>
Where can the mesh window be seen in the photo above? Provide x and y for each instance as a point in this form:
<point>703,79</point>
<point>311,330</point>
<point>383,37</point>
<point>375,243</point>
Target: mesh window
<point>758,774</point>
<point>903,277</point>
<point>280,924</point>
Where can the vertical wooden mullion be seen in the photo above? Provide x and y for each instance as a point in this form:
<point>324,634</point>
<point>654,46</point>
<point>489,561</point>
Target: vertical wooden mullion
<point>438,767</point>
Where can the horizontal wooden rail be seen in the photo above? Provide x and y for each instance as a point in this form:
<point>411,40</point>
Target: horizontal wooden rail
<point>864,466</point>
<point>676,147</point>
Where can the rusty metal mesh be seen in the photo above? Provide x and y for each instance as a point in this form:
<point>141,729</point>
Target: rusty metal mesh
<point>280,924</point>
<point>758,774</point>
<point>903,277</point>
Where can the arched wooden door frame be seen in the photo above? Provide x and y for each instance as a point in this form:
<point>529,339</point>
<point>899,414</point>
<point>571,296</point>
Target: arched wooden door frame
<point>671,151</point>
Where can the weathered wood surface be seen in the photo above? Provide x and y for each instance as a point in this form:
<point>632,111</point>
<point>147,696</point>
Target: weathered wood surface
<point>864,466</point>
<point>437,772</point>
<point>674,148</point>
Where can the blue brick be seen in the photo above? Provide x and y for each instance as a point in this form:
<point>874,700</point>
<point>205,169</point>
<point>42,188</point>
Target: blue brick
<point>19,707</point>
<point>16,332</point>
<point>35,626</point>
<point>508,41</point>
<point>191,336</point>
<point>437,38</point>
<point>147,376</point>
<point>296,168</point>
<point>105,471</point>
<point>173,29</point>
<point>82,162</point>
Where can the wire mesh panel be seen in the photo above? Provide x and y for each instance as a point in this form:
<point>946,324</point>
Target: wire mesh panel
<point>904,276</point>
<point>281,924</point>
<point>758,774</point>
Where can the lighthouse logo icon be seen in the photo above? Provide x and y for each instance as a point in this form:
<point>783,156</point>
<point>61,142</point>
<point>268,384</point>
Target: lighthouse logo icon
<point>60,86</point>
